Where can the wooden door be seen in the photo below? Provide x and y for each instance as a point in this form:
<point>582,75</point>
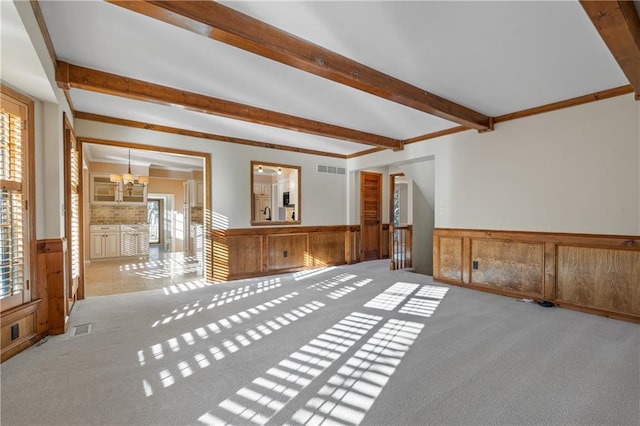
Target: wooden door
<point>370,215</point>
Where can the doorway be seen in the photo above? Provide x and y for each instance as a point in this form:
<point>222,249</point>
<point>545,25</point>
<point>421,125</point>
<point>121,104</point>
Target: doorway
<point>370,215</point>
<point>166,265</point>
<point>400,229</point>
<point>155,218</point>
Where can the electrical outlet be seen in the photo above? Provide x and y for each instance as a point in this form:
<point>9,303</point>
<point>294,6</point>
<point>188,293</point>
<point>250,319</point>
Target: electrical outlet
<point>15,331</point>
<point>285,254</point>
<point>475,264</point>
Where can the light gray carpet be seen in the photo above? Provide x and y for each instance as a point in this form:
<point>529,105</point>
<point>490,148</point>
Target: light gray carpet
<point>348,345</point>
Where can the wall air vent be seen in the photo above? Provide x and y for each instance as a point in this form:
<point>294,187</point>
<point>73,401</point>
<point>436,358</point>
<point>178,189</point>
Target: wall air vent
<point>331,170</point>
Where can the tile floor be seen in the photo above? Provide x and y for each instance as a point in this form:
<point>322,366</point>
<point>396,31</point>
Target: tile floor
<point>161,270</point>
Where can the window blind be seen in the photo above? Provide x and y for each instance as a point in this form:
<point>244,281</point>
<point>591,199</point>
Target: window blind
<point>12,254</point>
<point>75,213</point>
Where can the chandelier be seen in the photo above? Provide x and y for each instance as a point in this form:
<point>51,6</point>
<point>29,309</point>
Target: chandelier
<point>128,180</point>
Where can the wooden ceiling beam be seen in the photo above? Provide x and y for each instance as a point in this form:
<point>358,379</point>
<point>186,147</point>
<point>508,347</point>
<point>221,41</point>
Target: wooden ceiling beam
<point>619,26</point>
<point>80,115</point>
<point>224,24</point>
<point>72,76</point>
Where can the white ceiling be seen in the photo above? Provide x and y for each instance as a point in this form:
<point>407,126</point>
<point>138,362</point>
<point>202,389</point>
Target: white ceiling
<point>494,57</point>
<point>144,158</point>
<point>26,72</point>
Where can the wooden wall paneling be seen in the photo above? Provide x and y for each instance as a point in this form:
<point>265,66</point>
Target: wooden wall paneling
<point>43,293</point>
<point>24,317</point>
<point>450,259</point>
<point>348,253</point>
<point>52,275</point>
<point>384,241</point>
<point>620,241</point>
<point>26,326</point>
<point>436,256</point>
<point>593,273</point>
<point>466,260</point>
<point>600,278</point>
<point>287,251</point>
<point>244,256</point>
<point>549,292</point>
<point>251,252</point>
<point>508,265</point>
<point>219,255</point>
<point>352,244</point>
<point>326,248</point>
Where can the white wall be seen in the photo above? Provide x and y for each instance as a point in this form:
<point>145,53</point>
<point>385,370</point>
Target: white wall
<point>52,189</point>
<point>422,233</point>
<point>422,176</point>
<point>323,195</point>
<point>572,170</point>
<point>48,134</point>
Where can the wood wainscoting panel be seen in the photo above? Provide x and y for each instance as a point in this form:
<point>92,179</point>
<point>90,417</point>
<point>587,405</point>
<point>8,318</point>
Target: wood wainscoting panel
<point>25,326</point>
<point>384,241</point>
<point>244,255</point>
<point>252,252</point>
<point>450,262</point>
<point>286,251</point>
<point>52,283</point>
<point>509,266</point>
<point>594,273</point>
<point>19,329</point>
<point>599,278</point>
<point>326,248</point>
<point>352,244</point>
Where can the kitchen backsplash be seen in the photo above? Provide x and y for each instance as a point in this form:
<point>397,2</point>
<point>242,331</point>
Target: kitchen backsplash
<point>105,215</point>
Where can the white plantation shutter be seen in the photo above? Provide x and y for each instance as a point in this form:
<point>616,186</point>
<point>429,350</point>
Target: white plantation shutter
<point>75,213</point>
<point>12,214</point>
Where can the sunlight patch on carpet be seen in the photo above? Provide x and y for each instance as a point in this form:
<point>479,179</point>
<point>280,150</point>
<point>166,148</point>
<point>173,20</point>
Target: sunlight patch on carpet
<point>260,400</point>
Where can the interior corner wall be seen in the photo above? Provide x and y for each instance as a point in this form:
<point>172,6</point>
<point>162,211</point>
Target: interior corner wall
<point>52,189</point>
<point>422,233</point>
<point>422,176</point>
<point>323,197</point>
<point>39,162</point>
<point>48,129</point>
<point>571,170</point>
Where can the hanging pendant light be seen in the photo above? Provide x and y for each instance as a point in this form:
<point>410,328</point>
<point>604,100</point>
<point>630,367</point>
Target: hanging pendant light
<point>128,179</point>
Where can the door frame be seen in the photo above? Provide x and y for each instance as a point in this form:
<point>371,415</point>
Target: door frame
<point>206,157</point>
<point>69,140</point>
<point>161,219</point>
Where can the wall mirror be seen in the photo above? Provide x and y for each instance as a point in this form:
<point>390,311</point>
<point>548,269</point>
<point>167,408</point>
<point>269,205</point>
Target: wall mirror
<point>275,194</point>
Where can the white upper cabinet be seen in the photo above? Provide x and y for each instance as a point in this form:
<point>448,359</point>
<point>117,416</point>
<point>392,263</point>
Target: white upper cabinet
<point>103,191</point>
